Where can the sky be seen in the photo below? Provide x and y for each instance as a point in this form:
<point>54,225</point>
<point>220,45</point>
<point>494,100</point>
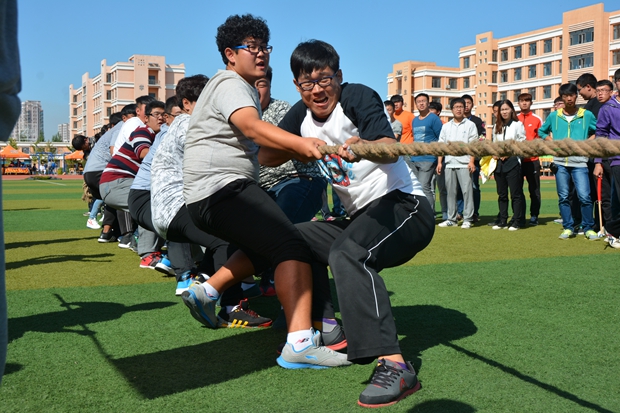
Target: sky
<point>60,41</point>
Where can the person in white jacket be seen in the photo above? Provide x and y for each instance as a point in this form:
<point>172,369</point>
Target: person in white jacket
<point>508,171</point>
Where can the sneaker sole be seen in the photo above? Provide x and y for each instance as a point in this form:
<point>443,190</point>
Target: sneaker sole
<point>180,291</point>
<point>147,266</point>
<point>296,366</point>
<point>105,241</point>
<point>192,302</point>
<point>409,392</point>
<point>164,269</point>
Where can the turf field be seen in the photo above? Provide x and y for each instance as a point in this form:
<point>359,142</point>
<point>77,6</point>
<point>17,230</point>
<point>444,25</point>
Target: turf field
<point>494,321</point>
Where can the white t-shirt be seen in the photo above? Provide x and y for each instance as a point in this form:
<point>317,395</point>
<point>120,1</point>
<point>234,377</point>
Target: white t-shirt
<point>129,126</point>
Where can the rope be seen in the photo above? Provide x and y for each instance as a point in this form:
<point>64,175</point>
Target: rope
<point>594,148</point>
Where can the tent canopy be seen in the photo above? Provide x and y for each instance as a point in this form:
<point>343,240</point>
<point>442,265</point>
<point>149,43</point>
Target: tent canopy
<point>75,155</point>
<point>11,152</point>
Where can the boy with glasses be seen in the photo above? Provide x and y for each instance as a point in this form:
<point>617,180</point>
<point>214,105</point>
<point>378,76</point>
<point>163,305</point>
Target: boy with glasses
<point>220,174</point>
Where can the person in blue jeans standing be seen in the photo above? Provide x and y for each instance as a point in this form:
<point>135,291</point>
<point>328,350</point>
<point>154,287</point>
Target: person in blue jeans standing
<point>577,124</point>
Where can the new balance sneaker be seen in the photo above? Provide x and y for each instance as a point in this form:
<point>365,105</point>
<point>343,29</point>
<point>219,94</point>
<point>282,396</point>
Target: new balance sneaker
<point>200,305</point>
<point>242,317</point>
<point>125,241</point>
<point>164,266</point>
<point>591,235</point>
<point>150,261</point>
<point>106,237</point>
<point>92,224</point>
<point>314,356</point>
<point>566,234</point>
<point>466,225</point>
<point>335,339</point>
<point>390,383</point>
<point>533,221</point>
<point>447,223</point>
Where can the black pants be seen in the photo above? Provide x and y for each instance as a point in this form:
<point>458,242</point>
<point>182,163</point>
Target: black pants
<point>110,216</point>
<point>513,180</point>
<point>531,172</point>
<point>388,232</point>
<point>606,182</point>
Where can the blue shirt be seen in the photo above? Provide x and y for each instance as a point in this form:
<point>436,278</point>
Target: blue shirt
<point>142,180</point>
<point>100,153</point>
<point>426,130</point>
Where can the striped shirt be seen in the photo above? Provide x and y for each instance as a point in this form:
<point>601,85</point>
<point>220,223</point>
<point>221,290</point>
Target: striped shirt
<point>126,162</point>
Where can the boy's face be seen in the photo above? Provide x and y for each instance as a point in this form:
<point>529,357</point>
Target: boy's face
<point>458,110</point>
<point>569,101</point>
<point>155,119</point>
<point>249,65</point>
<point>421,103</point>
<point>321,100</point>
<point>525,105</point>
<point>398,106</point>
<point>469,104</point>
<point>169,117</point>
<point>586,92</point>
<point>603,93</point>
<point>264,92</point>
<point>390,110</point>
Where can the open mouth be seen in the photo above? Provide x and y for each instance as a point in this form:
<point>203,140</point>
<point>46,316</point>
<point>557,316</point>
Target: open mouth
<point>321,101</point>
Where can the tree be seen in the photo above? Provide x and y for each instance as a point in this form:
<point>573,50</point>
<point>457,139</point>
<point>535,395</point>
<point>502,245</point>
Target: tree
<point>13,143</point>
<point>41,137</point>
<point>57,137</point>
<point>49,148</point>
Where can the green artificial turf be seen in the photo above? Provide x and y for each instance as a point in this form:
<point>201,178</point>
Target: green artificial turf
<point>494,321</point>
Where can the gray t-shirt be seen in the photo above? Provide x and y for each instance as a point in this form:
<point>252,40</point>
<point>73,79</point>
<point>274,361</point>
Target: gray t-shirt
<point>100,154</point>
<point>216,152</point>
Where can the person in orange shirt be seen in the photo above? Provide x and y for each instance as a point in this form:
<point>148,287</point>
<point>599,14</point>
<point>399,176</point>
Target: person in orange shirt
<point>405,117</point>
<point>531,166</point>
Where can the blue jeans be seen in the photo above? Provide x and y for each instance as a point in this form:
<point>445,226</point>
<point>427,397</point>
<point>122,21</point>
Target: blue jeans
<point>579,176</point>
<point>95,208</point>
<point>299,198</point>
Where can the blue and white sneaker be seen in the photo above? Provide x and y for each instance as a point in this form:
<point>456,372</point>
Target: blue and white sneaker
<point>314,356</point>
<point>200,305</point>
<point>164,266</point>
<point>184,282</point>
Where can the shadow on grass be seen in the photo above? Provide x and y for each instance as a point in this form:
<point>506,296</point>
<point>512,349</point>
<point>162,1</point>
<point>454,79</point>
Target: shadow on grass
<point>49,259</point>
<point>75,320</point>
<point>12,368</point>
<point>24,209</point>
<point>442,406</point>
<point>26,244</point>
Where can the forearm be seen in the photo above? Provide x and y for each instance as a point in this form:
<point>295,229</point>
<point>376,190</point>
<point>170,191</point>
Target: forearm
<point>273,157</point>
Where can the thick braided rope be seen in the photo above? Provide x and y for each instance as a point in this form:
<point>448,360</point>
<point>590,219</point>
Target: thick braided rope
<point>594,148</point>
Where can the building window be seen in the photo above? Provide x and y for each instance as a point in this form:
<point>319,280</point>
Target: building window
<point>494,76</point>
<point>75,98</point>
<point>152,80</point>
<point>466,83</point>
<point>532,47</point>
<point>516,95</point>
<point>494,56</point>
<point>466,62</point>
<point>108,78</point>
<point>74,125</point>
<point>502,96</point>
<point>504,53</point>
<point>582,36</point>
<point>532,91</point>
<point>615,58</point>
<point>109,112</point>
<point>109,94</point>
<point>560,68</point>
<point>437,99</point>
<point>74,111</point>
<point>616,31</point>
<point>547,92</point>
<point>494,97</point>
<point>547,69</point>
<point>561,42</point>
<point>503,76</point>
<point>531,72</point>
<point>581,61</point>
<point>452,83</point>
<point>548,46</point>
<point>436,82</point>
<point>546,113</point>
<point>518,52</point>
<point>152,94</point>
<point>517,74</point>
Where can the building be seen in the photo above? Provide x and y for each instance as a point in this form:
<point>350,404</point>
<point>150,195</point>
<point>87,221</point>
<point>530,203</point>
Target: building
<point>92,103</point>
<point>29,126</point>
<point>537,62</point>
<point>63,132</point>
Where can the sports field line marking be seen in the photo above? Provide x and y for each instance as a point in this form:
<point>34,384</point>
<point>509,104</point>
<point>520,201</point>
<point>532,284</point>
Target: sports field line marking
<point>54,183</point>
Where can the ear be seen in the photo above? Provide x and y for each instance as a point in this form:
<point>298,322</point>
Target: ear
<point>186,104</point>
<point>296,86</point>
<point>230,55</point>
<point>339,76</point>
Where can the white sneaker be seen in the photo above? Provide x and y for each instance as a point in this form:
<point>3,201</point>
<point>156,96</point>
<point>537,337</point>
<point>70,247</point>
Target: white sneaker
<point>93,224</point>
<point>466,225</point>
<point>447,223</point>
<point>513,228</point>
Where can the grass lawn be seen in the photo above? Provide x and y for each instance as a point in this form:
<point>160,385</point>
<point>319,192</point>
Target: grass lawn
<point>494,321</point>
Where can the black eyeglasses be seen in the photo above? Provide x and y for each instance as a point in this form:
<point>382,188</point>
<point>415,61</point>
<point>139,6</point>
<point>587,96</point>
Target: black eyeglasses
<point>170,114</point>
<point>255,48</point>
<point>156,115</point>
<point>309,84</point>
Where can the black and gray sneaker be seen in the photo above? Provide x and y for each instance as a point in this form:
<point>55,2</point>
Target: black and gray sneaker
<point>389,384</point>
<point>106,237</point>
<point>242,317</point>
<point>125,241</point>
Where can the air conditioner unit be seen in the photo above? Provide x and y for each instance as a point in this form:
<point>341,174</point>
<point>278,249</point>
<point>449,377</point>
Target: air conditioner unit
<point>448,87</point>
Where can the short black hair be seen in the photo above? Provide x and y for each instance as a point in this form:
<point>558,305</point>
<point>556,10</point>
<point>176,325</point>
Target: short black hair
<point>170,103</point>
<point>568,89</point>
<point>467,97</point>
<point>457,100</point>
<point>236,29</point>
<point>388,103</point>
<point>78,142</point>
<point>605,82</point>
<point>154,104</point>
<point>557,100</point>
<point>587,79</point>
<point>115,118</point>
<point>396,98</point>
<point>498,104</point>
<point>190,88</point>
<point>129,110</point>
<point>269,73</point>
<point>422,95</point>
<point>145,100</point>
<point>313,55</point>
<point>524,96</point>
<point>435,106</point>
<point>617,75</point>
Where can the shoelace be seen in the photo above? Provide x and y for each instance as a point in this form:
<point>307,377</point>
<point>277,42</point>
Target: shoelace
<point>384,375</point>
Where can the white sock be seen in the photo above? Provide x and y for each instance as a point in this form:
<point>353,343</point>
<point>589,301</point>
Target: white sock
<point>211,292</point>
<point>300,339</point>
